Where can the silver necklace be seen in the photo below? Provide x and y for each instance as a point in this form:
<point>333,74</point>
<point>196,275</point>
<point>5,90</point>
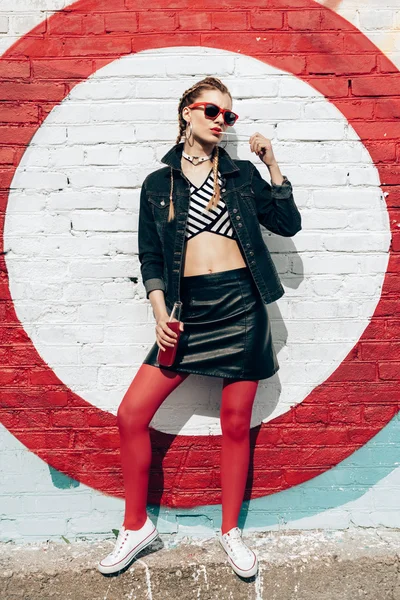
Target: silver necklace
<point>195,160</point>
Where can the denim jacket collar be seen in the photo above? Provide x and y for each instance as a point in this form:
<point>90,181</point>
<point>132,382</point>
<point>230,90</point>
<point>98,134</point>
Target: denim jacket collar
<point>173,159</point>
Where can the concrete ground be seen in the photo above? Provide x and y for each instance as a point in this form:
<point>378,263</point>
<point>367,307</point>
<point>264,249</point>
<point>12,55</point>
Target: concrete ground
<point>293,565</point>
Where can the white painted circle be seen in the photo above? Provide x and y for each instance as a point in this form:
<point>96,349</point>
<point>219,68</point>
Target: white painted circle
<point>71,230</point>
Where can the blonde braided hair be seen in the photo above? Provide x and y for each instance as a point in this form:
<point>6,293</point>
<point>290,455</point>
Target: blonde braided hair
<point>188,97</point>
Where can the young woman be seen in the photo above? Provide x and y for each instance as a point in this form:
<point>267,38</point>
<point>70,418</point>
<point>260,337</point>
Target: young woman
<point>200,242</point>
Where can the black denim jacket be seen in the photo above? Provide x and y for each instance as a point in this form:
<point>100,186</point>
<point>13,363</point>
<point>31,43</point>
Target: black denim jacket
<point>251,202</point>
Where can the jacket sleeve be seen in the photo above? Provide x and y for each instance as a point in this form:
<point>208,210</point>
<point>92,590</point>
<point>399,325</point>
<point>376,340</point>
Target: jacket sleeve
<point>276,208</point>
<point>150,250</point>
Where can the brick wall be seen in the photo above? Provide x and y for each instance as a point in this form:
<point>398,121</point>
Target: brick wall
<point>88,108</point>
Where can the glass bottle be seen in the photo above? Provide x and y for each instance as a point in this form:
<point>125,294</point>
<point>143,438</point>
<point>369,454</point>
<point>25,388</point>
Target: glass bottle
<point>166,357</point>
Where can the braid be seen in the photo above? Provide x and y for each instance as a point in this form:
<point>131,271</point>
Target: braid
<point>189,96</point>
<point>216,195</point>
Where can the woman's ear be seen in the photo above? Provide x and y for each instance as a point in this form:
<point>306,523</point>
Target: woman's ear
<point>185,113</point>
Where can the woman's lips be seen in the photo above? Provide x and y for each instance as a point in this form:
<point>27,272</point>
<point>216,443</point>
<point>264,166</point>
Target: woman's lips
<point>217,131</point>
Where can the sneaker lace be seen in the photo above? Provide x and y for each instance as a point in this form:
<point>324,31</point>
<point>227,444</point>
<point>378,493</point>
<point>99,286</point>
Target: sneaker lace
<point>121,539</point>
<point>236,544</point>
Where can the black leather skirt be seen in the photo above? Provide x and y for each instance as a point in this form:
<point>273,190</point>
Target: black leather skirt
<point>227,332</point>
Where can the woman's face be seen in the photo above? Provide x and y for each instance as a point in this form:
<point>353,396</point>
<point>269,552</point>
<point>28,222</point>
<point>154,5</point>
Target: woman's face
<point>202,126</point>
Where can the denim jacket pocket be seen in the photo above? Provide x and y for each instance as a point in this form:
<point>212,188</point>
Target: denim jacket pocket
<point>159,205</point>
<point>248,197</point>
<point>161,201</point>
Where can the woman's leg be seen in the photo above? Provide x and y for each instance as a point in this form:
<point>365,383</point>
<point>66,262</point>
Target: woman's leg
<point>236,408</point>
<point>149,388</point>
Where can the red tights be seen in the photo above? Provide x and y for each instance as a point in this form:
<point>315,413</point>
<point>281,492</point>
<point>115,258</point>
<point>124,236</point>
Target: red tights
<point>146,393</point>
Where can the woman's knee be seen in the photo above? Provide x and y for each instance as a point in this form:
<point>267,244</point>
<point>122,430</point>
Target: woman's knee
<point>235,424</point>
<point>130,416</point>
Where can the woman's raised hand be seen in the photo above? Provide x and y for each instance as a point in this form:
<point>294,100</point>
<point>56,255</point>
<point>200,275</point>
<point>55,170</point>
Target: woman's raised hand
<point>262,146</point>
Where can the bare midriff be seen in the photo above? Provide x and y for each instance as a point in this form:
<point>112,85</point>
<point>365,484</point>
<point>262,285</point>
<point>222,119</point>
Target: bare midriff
<point>208,252</point>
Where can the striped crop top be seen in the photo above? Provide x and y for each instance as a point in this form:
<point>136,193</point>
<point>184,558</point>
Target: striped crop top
<point>216,220</point>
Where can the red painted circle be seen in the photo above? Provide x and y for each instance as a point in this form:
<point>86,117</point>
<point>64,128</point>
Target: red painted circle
<point>337,417</point>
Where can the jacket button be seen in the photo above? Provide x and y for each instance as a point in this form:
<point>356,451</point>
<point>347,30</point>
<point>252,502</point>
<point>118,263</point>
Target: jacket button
<point>251,253</point>
<point>238,217</point>
<point>162,202</point>
<point>247,245</point>
<point>240,224</point>
<point>235,210</point>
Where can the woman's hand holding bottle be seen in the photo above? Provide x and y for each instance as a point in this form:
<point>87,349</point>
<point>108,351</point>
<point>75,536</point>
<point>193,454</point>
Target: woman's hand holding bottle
<point>164,334</point>
<point>168,334</point>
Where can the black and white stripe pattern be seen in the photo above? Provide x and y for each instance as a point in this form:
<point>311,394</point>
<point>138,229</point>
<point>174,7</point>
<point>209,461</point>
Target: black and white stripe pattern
<point>215,220</point>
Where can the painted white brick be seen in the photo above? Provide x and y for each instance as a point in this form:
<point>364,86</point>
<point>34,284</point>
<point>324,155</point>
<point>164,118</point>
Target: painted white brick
<point>366,220</point>
<point>26,201</point>
<point>11,504</point>
<point>325,219</point>
<point>162,88</point>
<point>63,157</point>
<point>376,19</point>
<point>107,355</point>
<point>135,155</point>
<point>324,309</point>
<point>320,109</point>
<point>82,375</point>
<point>304,241</point>
<point>97,134</point>
<point>267,110</point>
<point>104,90</point>
<point>49,136</point>
<point>37,157</point>
<point>254,88</point>
<point>66,355</point>
<point>100,269</point>
<point>319,175</point>
<point>326,287</point>
<point>32,5</point>
<point>363,176</point>
<point>289,86</point>
<point>129,199</point>
<point>102,154</point>
<point>151,133</point>
<point>53,526</point>
<point>313,130</point>
<point>372,263</point>
<point>380,39</point>
<point>346,198</point>
<point>184,65</point>
<point>120,290</point>
<point>96,220</point>
<point>21,24</point>
<point>39,179</point>
<point>4,24</point>
<point>56,334</point>
<point>54,504</point>
<point>134,66</point>
<point>340,151</point>
<point>332,263</point>
<point>39,224</point>
<point>130,333</point>
<point>102,177</point>
<point>70,200</point>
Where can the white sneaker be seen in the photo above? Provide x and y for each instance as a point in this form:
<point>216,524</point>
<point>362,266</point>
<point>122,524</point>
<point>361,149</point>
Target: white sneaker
<point>129,543</point>
<point>243,560</point>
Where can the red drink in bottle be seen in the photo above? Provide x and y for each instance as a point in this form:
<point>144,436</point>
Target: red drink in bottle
<point>166,357</point>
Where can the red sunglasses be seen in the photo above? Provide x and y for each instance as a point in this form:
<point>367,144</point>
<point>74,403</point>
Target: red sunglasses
<point>211,111</point>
